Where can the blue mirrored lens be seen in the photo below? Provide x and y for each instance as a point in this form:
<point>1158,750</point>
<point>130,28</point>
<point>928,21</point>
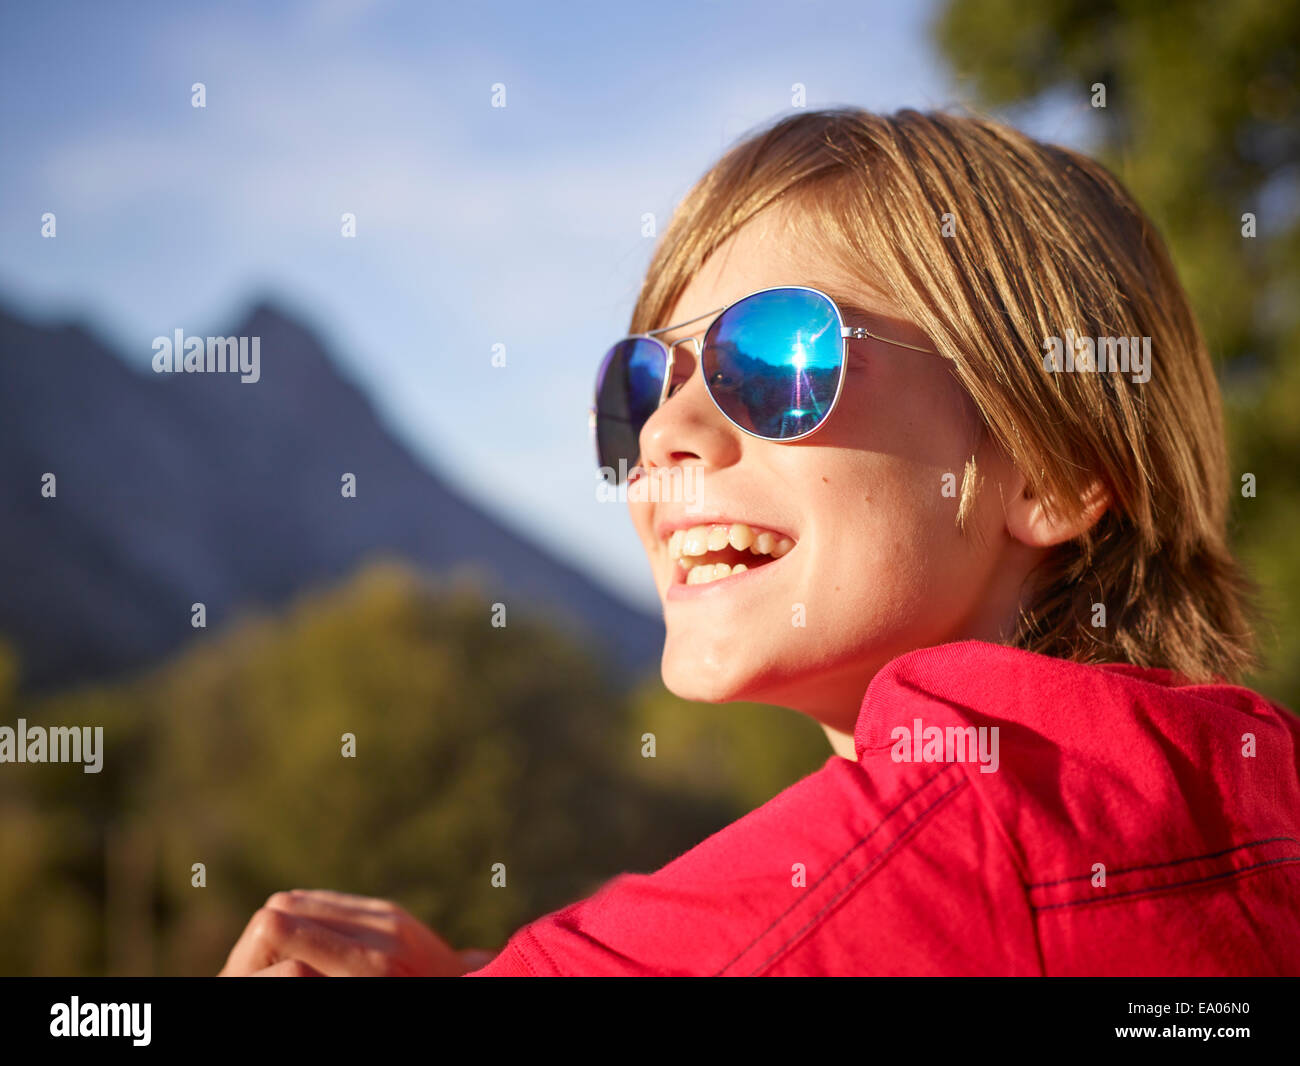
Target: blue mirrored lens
<point>628,385</point>
<point>773,361</point>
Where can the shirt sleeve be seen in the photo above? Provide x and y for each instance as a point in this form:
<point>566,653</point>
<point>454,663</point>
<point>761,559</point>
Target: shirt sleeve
<point>843,873</point>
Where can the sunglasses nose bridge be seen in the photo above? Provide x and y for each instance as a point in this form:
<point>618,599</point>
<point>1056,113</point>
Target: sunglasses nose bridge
<point>672,348</point>
<point>672,357</point>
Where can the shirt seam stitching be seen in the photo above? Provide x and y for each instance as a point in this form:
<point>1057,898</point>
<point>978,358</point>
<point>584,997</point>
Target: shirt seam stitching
<point>541,950</point>
<point>858,878</point>
<point>1167,862</point>
<point>1148,890</point>
<point>835,865</point>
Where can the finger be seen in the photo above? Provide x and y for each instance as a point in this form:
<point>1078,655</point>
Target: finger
<point>289,968</point>
<point>273,936</point>
<point>343,917</point>
<point>347,899</point>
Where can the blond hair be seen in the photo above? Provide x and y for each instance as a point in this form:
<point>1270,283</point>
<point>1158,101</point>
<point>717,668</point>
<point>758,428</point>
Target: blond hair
<point>1038,239</point>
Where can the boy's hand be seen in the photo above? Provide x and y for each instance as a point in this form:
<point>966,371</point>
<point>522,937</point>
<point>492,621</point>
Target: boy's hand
<point>315,933</point>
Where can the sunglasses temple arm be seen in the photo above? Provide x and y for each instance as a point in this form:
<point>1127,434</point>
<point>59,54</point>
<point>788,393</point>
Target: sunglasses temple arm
<point>859,333</point>
<point>666,329</point>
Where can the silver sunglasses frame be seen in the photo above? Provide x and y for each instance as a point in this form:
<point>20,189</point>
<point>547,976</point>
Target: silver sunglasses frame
<point>847,333</point>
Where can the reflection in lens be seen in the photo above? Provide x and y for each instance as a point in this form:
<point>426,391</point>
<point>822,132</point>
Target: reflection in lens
<point>773,361</point>
<point>628,384</point>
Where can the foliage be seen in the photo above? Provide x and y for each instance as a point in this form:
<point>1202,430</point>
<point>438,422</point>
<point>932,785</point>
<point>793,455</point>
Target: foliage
<point>474,745</point>
<point>1202,123</point>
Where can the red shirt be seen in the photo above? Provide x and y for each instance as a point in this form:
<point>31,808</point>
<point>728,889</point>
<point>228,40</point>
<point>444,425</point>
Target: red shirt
<point>1133,825</point>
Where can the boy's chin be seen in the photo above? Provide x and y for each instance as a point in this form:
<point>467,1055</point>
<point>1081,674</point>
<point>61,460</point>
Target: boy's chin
<point>692,678</point>
<point>697,684</point>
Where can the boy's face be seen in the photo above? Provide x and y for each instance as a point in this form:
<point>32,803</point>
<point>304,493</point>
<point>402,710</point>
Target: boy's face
<point>879,566</point>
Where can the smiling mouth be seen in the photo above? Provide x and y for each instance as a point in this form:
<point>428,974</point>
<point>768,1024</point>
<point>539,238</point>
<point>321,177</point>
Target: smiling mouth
<point>708,553</point>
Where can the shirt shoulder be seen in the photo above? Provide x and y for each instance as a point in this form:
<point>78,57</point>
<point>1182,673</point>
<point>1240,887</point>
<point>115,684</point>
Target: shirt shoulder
<point>1008,814</point>
<point>835,876</point>
<point>1154,823</point>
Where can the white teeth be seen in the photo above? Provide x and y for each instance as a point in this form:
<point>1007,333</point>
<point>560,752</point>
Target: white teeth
<point>686,546</point>
<point>696,541</point>
<point>706,572</point>
<point>741,536</point>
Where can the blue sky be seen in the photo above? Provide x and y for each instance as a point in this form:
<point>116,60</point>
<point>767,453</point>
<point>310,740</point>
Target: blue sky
<point>475,225</point>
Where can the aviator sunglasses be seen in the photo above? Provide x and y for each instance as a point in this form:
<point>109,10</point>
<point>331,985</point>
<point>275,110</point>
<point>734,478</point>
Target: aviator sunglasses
<point>773,364</point>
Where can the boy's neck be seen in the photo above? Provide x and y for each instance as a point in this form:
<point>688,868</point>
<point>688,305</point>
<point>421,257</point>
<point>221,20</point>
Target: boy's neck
<point>841,743</point>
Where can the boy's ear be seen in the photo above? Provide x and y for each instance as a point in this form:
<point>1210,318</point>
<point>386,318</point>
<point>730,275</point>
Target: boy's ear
<point>1035,522</point>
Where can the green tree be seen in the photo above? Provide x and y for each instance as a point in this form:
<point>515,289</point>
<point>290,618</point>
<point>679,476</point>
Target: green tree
<point>1202,123</point>
<point>474,745</point>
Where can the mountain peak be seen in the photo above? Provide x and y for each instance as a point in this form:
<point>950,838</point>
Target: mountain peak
<point>267,318</point>
<point>178,488</point>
